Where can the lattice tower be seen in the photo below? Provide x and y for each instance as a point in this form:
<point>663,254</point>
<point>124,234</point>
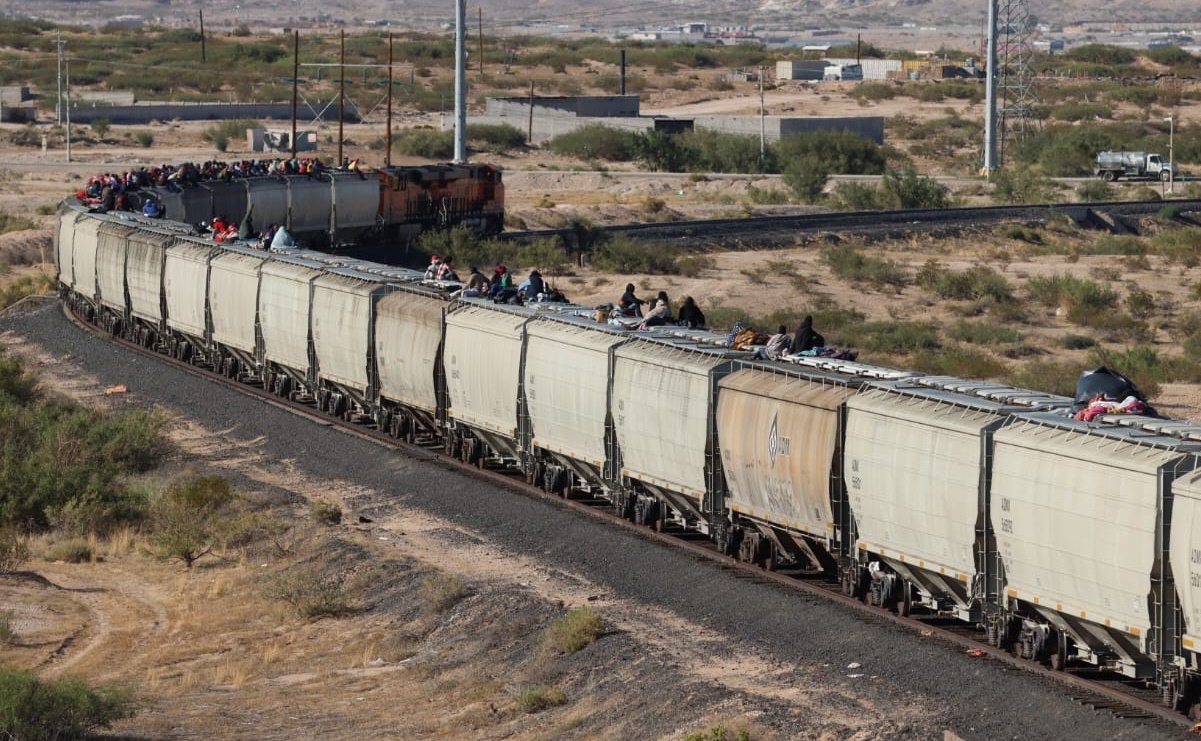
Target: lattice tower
<point>1016,91</point>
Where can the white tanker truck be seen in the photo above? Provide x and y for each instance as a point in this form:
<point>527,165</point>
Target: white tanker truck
<point>1113,165</point>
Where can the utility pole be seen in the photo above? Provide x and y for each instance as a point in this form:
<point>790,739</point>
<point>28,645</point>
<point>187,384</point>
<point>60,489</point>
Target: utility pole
<point>67,64</point>
<point>388,126</point>
<point>341,90</point>
<point>460,82</point>
<point>990,94</point>
<point>58,102</point>
<point>762,123</point>
<point>295,84</point>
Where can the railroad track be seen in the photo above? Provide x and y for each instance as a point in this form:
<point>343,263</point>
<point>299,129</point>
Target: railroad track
<point>762,232</point>
<point>1085,685</point>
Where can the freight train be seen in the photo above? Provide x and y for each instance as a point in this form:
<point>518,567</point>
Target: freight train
<point>335,207</point>
<point>1063,540</point>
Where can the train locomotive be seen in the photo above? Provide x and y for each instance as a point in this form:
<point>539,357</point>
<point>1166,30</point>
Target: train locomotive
<point>335,207</point>
<point>1064,541</point>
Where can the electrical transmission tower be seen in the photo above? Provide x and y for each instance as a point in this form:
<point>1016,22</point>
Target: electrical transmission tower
<point>1015,72</point>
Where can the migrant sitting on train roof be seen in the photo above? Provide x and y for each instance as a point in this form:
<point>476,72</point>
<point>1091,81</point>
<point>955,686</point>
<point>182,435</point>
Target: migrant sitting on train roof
<point>630,304</point>
<point>691,315</point>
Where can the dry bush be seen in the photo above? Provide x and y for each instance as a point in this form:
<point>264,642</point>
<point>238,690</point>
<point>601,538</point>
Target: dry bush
<point>27,248</point>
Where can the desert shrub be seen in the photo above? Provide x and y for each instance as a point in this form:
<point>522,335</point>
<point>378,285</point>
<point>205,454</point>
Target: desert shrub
<point>580,627</point>
<point>766,196</point>
<point>898,189</point>
<point>1114,244</point>
<point>8,631</point>
<point>1078,342</point>
<point>144,139</point>
<point>220,133</point>
<point>441,592</point>
<point>1144,193</point>
<point>26,136</point>
<point>1095,190</point>
<point>874,91</point>
<point>659,151</point>
<point>496,137</point>
<point>1049,377</point>
<point>957,361</point>
<point>58,457</point>
<point>424,142</point>
<point>719,733</point>
<point>890,337</point>
<point>14,549</point>
<point>25,286</point>
<point>465,249</point>
<point>101,126</point>
<point>324,512</point>
<point>716,151</point>
<point>692,265</point>
<point>17,385</point>
<point>984,333</point>
<point>1019,232</point>
<point>189,519</point>
<point>839,152</point>
<point>11,223</point>
<point>549,256</point>
<point>1102,54</point>
<point>974,283</point>
<point>1022,185</point>
<point>311,594</point>
<point>1139,303</point>
<point>595,141</point>
<point>65,708</point>
<point>807,178</point>
<point>69,550</point>
<point>620,254</point>
<point>539,698</point>
<point>1081,111</point>
<point>856,267</point>
<point>1145,366</point>
<point>1181,245</point>
<point>1171,56</point>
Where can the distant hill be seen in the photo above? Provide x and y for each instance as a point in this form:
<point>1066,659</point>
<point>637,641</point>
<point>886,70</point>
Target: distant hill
<point>546,16</point>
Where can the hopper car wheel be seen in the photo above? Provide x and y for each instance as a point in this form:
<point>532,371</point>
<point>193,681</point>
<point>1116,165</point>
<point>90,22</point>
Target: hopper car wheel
<point>1059,654</point>
<point>905,599</point>
<point>848,584</point>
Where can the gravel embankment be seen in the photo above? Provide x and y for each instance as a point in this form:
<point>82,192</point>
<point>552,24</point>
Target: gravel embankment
<point>971,697</point>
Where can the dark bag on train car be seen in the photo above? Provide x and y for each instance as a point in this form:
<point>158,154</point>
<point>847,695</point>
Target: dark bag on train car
<point>1108,384</point>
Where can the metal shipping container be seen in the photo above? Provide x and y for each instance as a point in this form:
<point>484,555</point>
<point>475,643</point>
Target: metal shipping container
<point>408,333</point>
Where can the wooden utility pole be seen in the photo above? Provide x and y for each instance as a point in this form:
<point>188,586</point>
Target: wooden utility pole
<point>481,42</point>
<point>203,58</point>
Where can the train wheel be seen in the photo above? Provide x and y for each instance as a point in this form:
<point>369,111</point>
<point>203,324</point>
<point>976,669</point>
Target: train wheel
<point>1059,654</point>
<point>905,599</point>
<point>1109,176</point>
